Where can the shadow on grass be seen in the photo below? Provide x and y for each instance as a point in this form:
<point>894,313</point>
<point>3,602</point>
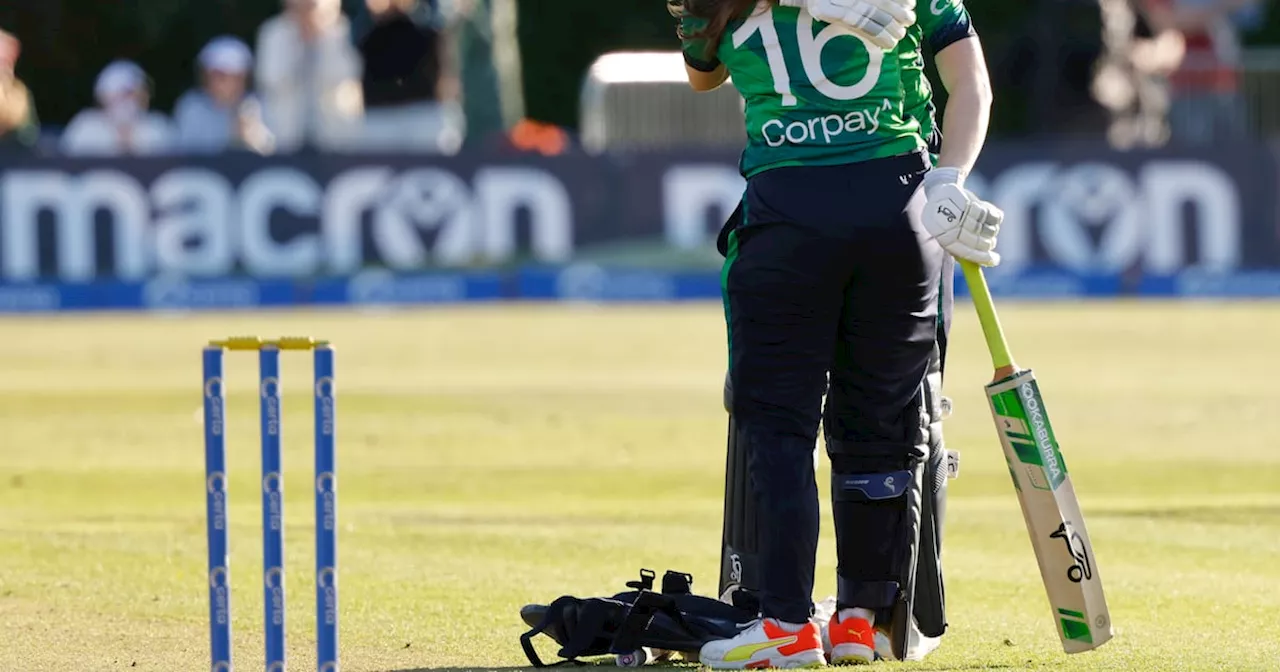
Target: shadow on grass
<point>462,669</point>
<point>509,668</point>
<point>590,663</point>
<point>916,667</point>
<point>963,667</point>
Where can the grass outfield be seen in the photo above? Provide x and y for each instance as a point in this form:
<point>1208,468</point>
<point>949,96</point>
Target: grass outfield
<point>495,456</point>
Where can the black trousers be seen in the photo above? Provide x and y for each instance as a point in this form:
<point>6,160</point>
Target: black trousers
<point>831,286</point>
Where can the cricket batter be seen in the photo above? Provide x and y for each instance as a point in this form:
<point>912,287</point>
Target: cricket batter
<point>833,282</point>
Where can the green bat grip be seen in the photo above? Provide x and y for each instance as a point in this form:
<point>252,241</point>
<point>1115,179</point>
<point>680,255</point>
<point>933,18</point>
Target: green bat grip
<point>1000,356</point>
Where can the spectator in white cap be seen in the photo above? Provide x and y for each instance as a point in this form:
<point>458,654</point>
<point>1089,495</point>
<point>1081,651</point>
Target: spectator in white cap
<point>122,124</point>
<point>222,115</point>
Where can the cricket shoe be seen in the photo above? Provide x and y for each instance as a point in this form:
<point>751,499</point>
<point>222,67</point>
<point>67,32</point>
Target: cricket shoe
<point>767,643</point>
<point>918,644</point>
<point>853,640</point>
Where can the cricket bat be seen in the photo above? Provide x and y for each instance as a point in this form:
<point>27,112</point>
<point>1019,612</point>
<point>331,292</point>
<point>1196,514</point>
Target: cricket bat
<point>1049,505</point>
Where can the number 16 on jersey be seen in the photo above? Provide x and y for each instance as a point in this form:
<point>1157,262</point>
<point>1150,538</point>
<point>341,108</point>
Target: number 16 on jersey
<point>810,47</point>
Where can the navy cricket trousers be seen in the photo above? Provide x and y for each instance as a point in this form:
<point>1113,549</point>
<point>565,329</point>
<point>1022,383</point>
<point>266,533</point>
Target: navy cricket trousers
<point>831,286</point>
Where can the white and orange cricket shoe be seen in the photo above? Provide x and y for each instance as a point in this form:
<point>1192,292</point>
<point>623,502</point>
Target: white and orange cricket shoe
<point>853,640</point>
<point>767,643</point>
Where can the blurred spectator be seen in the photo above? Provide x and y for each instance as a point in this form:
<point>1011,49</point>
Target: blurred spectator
<point>123,123</point>
<point>222,114</point>
<point>1207,106</point>
<point>408,93</point>
<point>308,75</point>
<point>18,125</point>
<point>1132,75</point>
<point>489,71</point>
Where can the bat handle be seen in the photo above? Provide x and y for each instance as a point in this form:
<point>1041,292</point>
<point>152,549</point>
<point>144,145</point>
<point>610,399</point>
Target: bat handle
<point>1001,358</point>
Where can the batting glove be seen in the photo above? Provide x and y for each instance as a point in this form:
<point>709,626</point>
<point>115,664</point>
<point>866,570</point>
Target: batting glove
<point>882,22</point>
<point>965,225</point>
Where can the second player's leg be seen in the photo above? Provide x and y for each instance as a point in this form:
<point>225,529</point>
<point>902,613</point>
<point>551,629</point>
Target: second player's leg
<point>930,600</point>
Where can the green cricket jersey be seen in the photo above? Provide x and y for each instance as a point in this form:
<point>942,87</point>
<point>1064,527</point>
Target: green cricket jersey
<point>816,94</point>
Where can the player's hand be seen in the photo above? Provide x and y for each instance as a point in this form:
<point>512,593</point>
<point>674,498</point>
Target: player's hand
<point>677,10</point>
<point>965,225</point>
<point>882,22</point>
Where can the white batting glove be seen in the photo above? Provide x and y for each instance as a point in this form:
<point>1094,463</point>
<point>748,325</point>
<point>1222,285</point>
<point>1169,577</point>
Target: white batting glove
<point>882,22</point>
<point>965,225</point>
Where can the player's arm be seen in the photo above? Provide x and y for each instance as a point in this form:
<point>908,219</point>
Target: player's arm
<point>967,115</point>
<point>701,64</point>
<point>961,222</point>
<point>702,80</point>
